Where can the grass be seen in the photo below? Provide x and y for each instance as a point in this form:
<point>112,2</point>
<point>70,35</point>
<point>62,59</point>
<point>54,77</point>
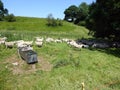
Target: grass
<point>97,68</point>
<point>26,26</point>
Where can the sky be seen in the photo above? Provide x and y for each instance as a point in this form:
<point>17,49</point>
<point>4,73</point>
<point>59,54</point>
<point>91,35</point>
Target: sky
<point>41,8</point>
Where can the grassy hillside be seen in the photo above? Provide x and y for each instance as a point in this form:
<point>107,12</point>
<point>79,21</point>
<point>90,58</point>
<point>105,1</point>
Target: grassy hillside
<point>59,67</point>
<point>38,27</point>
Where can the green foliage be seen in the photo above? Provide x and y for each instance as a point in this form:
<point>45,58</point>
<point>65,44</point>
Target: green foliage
<point>3,11</point>
<point>104,19</point>
<point>82,13</point>
<point>53,22</point>
<point>71,13</point>
<point>82,23</point>
<point>10,18</point>
<point>77,14</point>
<point>24,27</point>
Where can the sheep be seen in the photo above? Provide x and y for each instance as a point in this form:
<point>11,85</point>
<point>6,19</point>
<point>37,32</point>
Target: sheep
<point>39,39</point>
<point>65,40</point>
<point>39,44</point>
<point>9,44</point>
<point>2,40</point>
<point>74,44</point>
<point>28,43</point>
<point>49,40</point>
<point>58,41</point>
<point>22,43</point>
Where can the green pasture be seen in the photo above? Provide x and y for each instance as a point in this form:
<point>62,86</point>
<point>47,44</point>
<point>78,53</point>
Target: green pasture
<point>60,66</point>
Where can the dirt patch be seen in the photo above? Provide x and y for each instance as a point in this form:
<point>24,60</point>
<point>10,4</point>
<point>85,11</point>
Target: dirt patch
<point>19,66</point>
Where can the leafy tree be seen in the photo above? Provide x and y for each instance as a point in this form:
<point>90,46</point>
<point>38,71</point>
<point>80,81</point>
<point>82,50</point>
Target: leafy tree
<point>104,17</point>
<point>71,13</point>
<point>82,13</point>
<point>4,15</point>
<point>1,10</point>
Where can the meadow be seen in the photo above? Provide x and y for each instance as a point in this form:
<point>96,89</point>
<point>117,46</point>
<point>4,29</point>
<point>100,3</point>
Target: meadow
<point>59,67</point>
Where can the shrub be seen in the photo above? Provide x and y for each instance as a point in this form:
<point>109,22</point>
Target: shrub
<point>10,18</point>
<point>53,22</point>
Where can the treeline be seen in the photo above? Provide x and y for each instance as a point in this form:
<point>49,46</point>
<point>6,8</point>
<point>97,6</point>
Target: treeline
<point>4,14</point>
<point>102,18</point>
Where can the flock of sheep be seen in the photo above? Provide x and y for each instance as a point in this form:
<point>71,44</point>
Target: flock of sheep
<point>39,42</point>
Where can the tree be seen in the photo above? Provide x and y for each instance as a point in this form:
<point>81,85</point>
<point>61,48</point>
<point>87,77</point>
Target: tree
<point>4,15</point>
<point>105,19</point>
<point>10,18</point>
<point>71,13</point>
<point>82,13</point>
<point>1,10</point>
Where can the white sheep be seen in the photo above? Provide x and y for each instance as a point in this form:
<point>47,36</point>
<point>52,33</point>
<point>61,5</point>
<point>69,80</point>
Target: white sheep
<point>65,40</point>
<point>28,43</point>
<point>74,44</point>
<point>39,44</point>
<point>39,39</point>
<point>58,41</point>
<point>49,40</point>
<point>9,44</point>
<point>20,43</point>
<point>2,40</point>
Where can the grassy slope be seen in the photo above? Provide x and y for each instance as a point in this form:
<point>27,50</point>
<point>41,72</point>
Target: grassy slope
<point>98,69</point>
<point>38,25</point>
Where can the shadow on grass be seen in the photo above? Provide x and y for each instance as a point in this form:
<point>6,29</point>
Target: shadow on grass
<point>111,51</point>
<point>108,50</point>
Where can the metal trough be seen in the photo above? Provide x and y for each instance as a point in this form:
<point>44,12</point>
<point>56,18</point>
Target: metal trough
<point>29,56</point>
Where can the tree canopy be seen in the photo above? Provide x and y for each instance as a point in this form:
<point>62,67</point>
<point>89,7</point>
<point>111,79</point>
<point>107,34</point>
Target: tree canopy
<point>76,14</point>
<point>71,13</point>
<point>101,17</point>
<point>4,15</point>
<point>104,19</point>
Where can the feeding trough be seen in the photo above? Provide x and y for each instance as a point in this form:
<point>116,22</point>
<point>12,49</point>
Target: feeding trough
<point>28,55</point>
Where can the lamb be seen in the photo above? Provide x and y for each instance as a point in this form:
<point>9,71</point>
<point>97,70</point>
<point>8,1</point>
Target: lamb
<point>9,44</point>
<point>49,40</point>
<point>28,43</point>
<point>2,40</point>
<point>65,40</point>
<point>39,44</point>
<point>58,41</point>
<point>22,43</point>
<point>39,39</point>
<point>74,44</point>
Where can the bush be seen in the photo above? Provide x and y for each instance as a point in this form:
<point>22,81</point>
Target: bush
<point>10,18</point>
<point>53,22</point>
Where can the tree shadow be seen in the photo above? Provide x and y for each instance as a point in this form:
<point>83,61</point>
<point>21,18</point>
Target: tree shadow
<point>111,51</point>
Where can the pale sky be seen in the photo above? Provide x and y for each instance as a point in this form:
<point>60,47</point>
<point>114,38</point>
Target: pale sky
<point>40,8</point>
